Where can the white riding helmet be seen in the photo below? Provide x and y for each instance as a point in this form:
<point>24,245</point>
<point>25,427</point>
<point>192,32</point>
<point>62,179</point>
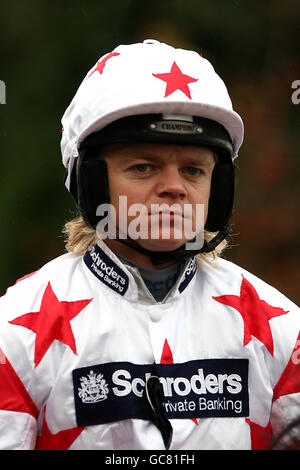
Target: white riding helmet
<point>151,91</point>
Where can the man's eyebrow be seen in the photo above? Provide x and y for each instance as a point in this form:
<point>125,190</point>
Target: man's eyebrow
<point>140,155</point>
<point>188,159</point>
<point>194,160</point>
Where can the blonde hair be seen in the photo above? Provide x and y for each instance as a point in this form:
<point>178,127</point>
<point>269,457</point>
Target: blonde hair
<point>79,237</point>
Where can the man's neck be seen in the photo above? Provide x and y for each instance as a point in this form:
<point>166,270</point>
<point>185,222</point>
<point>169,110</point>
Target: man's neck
<point>133,255</point>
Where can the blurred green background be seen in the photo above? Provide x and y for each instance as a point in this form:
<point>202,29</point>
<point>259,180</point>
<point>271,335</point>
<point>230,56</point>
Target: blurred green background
<point>46,48</point>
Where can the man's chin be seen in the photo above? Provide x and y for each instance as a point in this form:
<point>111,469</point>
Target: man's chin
<point>161,245</point>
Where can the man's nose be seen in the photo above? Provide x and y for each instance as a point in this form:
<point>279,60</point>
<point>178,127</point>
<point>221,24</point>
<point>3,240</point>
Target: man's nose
<point>170,184</point>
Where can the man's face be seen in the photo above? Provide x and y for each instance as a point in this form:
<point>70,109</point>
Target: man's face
<point>174,178</point>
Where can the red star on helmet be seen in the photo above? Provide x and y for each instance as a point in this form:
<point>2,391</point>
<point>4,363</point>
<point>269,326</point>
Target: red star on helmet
<point>51,322</point>
<point>101,63</point>
<point>176,80</point>
<point>255,312</point>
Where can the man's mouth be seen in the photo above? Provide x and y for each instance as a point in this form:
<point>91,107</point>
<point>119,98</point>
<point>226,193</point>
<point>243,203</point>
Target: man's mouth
<point>169,214</point>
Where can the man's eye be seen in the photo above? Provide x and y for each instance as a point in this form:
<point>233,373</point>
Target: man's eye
<point>192,171</point>
<point>141,167</point>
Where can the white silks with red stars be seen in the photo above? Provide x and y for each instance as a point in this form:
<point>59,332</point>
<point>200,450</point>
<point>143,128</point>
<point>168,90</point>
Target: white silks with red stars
<point>82,333</point>
<point>145,78</point>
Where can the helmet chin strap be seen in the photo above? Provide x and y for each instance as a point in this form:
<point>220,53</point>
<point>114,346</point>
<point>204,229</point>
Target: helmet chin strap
<point>180,254</point>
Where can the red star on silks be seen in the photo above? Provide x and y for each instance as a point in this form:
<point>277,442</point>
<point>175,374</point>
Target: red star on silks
<point>167,358</point>
<point>256,314</point>
<point>166,355</point>
<point>176,80</point>
<point>101,63</point>
<point>289,382</point>
<point>13,395</point>
<point>62,440</point>
<point>260,437</point>
<point>51,322</point>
